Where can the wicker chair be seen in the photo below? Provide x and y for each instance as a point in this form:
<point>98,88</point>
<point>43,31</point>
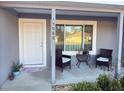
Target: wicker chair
<point>104,58</point>
<point>62,60</point>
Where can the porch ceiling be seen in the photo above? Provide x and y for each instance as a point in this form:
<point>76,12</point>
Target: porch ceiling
<point>65,12</point>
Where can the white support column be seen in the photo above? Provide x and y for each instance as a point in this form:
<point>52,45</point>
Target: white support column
<point>53,33</point>
<point>120,36</point>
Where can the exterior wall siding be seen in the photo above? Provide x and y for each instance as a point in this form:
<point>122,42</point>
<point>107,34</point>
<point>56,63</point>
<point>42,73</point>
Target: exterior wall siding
<point>106,32</point>
<point>107,37</point>
<point>9,45</point>
<point>48,45</point>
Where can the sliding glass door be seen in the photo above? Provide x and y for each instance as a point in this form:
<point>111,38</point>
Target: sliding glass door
<point>74,37</point>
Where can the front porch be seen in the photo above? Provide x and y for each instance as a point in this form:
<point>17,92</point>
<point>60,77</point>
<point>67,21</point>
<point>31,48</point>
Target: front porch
<point>40,80</point>
<point>108,34</point>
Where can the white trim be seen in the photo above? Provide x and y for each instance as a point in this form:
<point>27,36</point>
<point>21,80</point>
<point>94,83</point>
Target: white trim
<point>45,42</point>
<point>32,66</point>
<point>76,22</point>
<point>91,7</point>
<point>83,36</point>
<point>120,31</point>
<point>21,48</point>
<point>53,46</point>
<point>64,36</point>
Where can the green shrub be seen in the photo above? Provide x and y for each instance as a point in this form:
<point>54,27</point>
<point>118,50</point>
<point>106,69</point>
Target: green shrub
<point>16,67</point>
<point>85,86</point>
<point>104,82</point>
<point>122,82</point>
<point>115,85</point>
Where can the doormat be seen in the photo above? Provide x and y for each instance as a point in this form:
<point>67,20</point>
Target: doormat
<point>32,69</point>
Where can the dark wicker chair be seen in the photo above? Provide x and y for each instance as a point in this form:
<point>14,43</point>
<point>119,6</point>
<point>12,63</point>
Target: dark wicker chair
<point>62,60</point>
<point>84,57</point>
<point>104,58</point>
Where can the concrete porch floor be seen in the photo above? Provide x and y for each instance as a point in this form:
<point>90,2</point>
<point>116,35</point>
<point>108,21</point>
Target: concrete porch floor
<point>29,81</point>
<point>84,73</point>
<point>40,80</point>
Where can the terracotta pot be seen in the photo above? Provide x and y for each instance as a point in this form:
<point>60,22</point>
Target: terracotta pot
<point>11,76</point>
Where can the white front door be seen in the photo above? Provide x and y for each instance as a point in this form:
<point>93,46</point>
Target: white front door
<point>32,41</point>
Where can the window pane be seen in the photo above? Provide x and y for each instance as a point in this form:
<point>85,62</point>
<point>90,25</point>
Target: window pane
<point>73,37</point>
<point>60,36</point>
<point>88,37</point>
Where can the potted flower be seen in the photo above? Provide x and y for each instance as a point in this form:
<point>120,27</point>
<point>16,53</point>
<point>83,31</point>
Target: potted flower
<point>16,68</point>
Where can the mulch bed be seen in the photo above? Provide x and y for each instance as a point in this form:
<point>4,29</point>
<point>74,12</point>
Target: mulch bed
<point>62,88</point>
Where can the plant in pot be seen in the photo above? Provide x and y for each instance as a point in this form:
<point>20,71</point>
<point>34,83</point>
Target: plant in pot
<point>16,68</point>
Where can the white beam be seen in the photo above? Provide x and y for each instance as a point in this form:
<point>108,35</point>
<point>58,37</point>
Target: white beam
<point>53,33</point>
<point>120,29</point>
<point>43,6</point>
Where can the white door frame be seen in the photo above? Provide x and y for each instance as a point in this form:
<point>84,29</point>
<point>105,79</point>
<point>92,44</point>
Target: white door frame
<point>21,41</point>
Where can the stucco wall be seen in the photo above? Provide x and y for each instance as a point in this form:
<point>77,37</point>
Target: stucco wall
<point>106,31</point>
<point>48,45</point>
<point>107,37</point>
<point>9,49</point>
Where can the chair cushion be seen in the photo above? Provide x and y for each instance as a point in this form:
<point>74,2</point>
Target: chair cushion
<point>64,60</point>
<point>103,59</point>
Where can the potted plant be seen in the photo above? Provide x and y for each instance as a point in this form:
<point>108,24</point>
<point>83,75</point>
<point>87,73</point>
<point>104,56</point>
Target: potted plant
<point>16,68</point>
